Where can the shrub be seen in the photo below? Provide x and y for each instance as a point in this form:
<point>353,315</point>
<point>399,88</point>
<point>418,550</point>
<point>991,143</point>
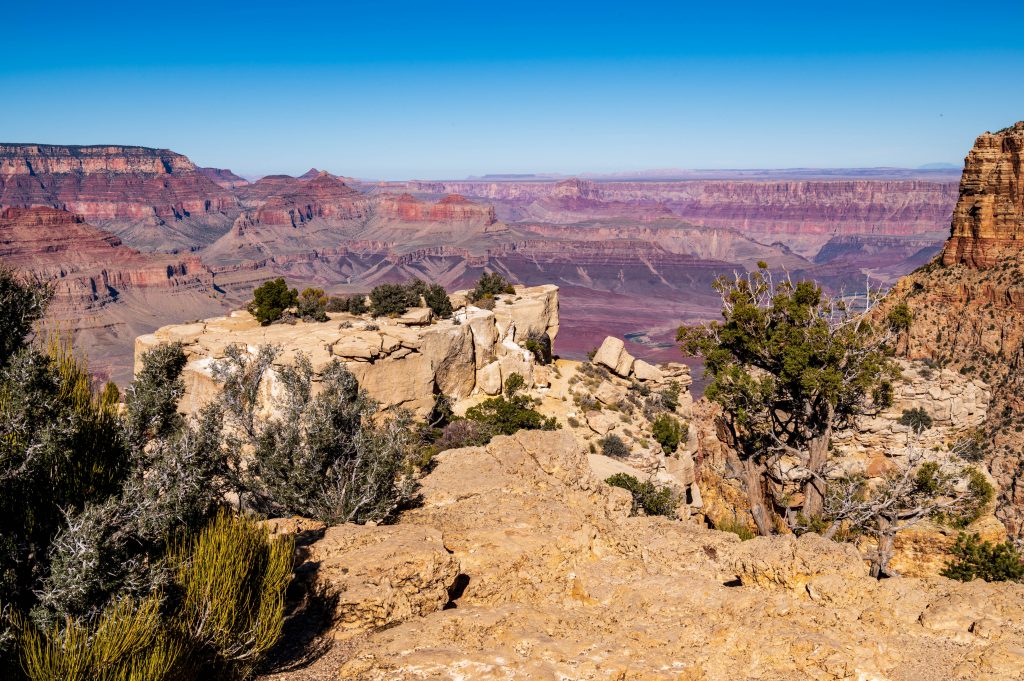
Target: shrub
<point>539,345</point>
<point>357,304</point>
<point>668,432</point>
<point>312,305</point>
<point>670,396</point>
<point>438,301</point>
<point>612,445</point>
<point>900,318</point>
<point>232,578</point>
<point>127,641</point>
<point>462,433</point>
<point>651,498</point>
<point>271,299</point>
<point>392,300</point>
<point>23,301</point>
<point>735,526</point>
<point>325,456</point>
<point>501,416</point>
<point>975,558</point>
<point>917,419</point>
<point>514,383</point>
<point>490,284</point>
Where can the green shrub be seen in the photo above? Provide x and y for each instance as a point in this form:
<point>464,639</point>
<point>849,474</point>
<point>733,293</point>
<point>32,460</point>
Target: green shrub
<point>651,498</point>
<point>975,558</point>
<point>735,526</point>
<point>489,285</point>
<point>438,301</point>
<point>501,416</point>
<point>325,456</point>
<point>900,317</point>
<point>514,383</point>
<point>271,299</point>
<point>232,578</point>
<point>392,300</point>
<point>668,432</point>
<point>23,300</point>
<point>670,396</point>
<point>312,305</point>
<point>612,445</point>
<point>129,641</point>
<point>539,345</point>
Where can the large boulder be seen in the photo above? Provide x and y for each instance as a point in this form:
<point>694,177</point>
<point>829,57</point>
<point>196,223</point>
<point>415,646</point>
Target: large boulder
<point>612,354</point>
<point>380,576</point>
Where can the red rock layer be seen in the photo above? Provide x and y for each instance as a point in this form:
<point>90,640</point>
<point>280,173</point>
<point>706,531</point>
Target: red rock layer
<point>988,221</point>
<point>89,267</point>
<point>452,208</point>
<point>153,197</point>
<point>895,207</point>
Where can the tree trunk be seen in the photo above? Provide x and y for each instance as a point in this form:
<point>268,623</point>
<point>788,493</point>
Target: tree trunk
<point>753,481</point>
<point>886,542</point>
<point>814,488</point>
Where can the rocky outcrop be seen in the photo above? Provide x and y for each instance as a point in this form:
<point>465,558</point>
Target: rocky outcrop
<point>152,198</point>
<point>988,222</point>
<point>399,362</point>
<point>557,581</point>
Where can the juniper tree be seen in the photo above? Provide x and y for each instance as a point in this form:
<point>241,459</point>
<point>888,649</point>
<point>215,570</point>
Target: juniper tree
<point>789,364</point>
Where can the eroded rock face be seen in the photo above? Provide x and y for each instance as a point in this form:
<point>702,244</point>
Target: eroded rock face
<point>379,576</point>
<point>560,583</point>
<point>400,364</point>
<point>988,221</point>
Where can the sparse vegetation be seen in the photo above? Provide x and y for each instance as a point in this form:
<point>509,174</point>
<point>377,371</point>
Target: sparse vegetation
<point>490,284</point>
<point>649,497</point>
<point>917,419</point>
<point>975,558</point>
<point>669,432</point>
<point>312,305</point>
<point>613,446</point>
<point>506,415</point>
<point>392,300</point>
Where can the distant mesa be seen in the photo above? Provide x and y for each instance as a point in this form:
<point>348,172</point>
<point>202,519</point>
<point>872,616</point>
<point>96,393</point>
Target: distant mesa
<point>224,177</point>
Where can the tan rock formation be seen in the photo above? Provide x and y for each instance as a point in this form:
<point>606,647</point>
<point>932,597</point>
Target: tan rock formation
<point>559,583</point>
<point>988,221</point>
<point>398,364</point>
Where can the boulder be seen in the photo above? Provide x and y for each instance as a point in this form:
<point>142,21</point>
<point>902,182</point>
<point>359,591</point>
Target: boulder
<point>381,576</point>
<point>488,378</point>
<point>790,562</point>
<point>647,372</point>
<point>612,354</point>
<point>417,316</point>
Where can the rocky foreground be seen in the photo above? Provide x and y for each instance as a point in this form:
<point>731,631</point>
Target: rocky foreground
<point>521,565</point>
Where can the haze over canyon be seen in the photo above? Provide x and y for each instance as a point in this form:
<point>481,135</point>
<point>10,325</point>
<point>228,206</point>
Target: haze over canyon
<point>138,237</point>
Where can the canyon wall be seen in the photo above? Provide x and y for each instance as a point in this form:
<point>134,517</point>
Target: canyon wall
<point>154,199</point>
<point>968,305</point>
<point>988,223</point>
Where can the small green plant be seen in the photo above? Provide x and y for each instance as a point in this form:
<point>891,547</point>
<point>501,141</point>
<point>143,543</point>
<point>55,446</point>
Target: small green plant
<point>669,432</point>
<point>514,383</point>
<point>975,558</point>
<point>734,525</point>
<point>233,578</point>
<point>438,301</point>
<point>504,416</point>
<point>271,299</point>
<point>652,499</point>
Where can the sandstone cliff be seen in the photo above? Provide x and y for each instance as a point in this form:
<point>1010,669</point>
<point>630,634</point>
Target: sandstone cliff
<point>988,222</point>
<point>968,305</point>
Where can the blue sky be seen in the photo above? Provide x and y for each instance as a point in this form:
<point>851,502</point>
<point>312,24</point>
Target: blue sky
<point>400,90</point>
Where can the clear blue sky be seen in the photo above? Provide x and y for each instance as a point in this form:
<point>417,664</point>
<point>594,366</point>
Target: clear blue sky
<point>447,89</point>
